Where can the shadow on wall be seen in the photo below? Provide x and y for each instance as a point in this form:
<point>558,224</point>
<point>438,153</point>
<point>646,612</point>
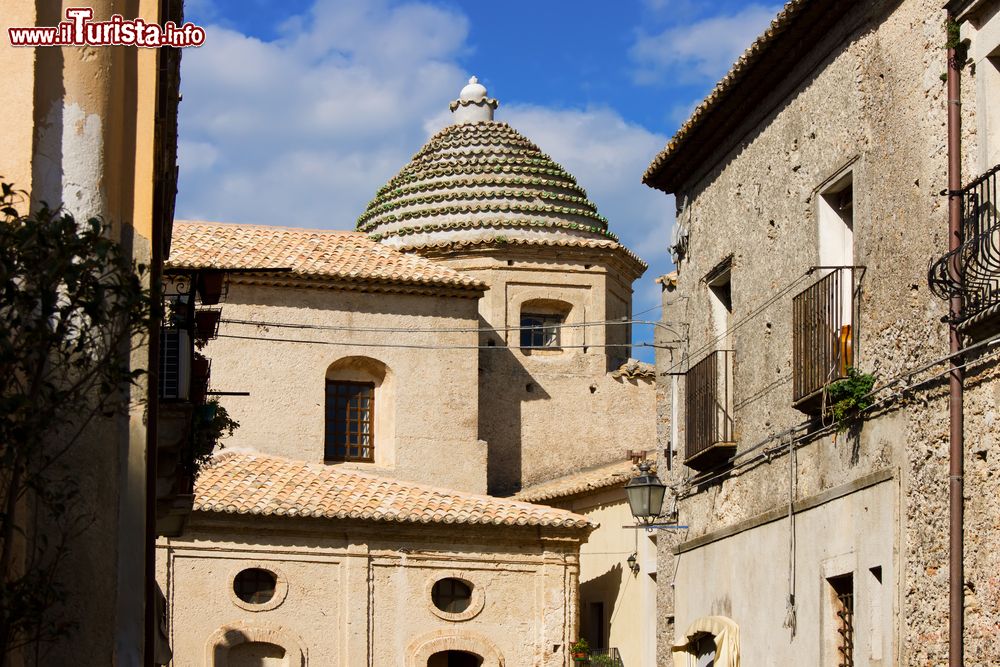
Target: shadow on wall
<point>254,645</point>
<point>597,605</point>
<point>503,384</point>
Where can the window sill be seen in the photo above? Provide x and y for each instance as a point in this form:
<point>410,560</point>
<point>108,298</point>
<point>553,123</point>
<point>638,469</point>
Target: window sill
<point>541,351</point>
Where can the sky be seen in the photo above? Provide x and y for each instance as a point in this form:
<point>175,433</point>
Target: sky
<point>295,112</point>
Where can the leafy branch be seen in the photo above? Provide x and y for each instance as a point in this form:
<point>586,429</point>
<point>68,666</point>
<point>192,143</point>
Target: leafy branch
<point>73,307</point>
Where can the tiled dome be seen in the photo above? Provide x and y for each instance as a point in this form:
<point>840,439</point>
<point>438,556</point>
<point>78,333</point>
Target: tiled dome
<point>479,179</point>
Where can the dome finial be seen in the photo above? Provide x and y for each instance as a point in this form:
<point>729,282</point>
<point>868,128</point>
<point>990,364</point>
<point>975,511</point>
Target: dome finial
<point>473,105</point>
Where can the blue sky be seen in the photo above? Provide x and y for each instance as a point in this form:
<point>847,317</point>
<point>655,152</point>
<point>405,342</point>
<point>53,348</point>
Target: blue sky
<point>295,112</point>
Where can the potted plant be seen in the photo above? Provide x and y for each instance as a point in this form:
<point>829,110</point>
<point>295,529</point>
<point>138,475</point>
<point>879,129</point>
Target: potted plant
<point>580,650</point>
<point>206,324</point>
<point>210,286</point>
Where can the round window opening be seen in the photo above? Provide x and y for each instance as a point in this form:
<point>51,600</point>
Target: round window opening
<point>452,595</point>
<point>255,585</point>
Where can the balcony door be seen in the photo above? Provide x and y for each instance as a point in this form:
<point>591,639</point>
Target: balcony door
<point>836,235</point>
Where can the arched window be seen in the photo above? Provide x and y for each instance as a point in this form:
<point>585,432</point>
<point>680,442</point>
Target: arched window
<point>354,397</point>
<point>454,659</point>
<point>350,420</point>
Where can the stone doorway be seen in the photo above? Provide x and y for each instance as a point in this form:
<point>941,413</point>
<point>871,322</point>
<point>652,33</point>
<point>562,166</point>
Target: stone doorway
<point>454,659</point>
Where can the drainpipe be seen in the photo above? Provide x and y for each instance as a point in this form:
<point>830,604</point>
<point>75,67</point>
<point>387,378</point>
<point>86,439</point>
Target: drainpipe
<point>956,577</point>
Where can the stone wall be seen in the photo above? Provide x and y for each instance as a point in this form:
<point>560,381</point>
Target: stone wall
<point>874,108</point>
<point>426,409</point>
<point>546,413</point>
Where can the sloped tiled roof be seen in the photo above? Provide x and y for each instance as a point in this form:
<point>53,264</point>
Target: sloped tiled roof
<point>722,89</point>
<point>242,483</point>
<point>310,253</point>
<point>601,477</point>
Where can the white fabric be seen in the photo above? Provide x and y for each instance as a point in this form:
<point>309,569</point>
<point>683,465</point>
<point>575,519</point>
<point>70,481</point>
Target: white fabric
<point>727,642</point>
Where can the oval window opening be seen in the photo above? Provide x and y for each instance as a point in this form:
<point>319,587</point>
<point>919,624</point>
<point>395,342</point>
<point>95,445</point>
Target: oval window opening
<point>255,585</point>
<point>452,595</point>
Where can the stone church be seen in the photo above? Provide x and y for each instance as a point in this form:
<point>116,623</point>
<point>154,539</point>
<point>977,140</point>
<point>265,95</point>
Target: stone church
<point>404,381</point>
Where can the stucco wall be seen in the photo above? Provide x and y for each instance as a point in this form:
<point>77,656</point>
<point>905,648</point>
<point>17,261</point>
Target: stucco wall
<point>77,130</point>
<point>353,594</point>
<point>428,401</point>
<point>746,578</point>
<point>875,107</point>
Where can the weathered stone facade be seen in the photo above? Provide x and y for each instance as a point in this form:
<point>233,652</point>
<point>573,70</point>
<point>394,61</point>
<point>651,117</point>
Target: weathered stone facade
<point>862,101</point>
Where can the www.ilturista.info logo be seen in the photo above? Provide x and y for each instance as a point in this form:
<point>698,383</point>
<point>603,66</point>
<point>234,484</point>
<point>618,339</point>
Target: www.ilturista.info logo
<point>79,30</point>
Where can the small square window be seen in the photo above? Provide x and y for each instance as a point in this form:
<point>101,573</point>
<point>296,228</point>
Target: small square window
<point>541,330</point>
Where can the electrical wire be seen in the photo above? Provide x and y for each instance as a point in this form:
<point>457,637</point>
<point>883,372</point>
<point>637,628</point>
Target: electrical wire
<point>334,327</point>
<point>683,489</point>
<point>751,315</point>
<point>417,346</point>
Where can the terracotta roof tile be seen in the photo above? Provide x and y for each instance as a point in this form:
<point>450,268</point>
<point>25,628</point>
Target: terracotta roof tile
<point>601,477</point>
<point>311,253</point>
<point>739,69</point>
<point>243,483</point>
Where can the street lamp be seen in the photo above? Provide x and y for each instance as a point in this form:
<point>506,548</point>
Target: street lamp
<point>633,563</point>
<point>645,495</point>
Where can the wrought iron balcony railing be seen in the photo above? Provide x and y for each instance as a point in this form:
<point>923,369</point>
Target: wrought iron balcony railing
<point>972,271</point>
<point>824,341</point>
<point>708,411</point>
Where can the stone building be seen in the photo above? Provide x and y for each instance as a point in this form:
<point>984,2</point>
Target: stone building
<point>469,338</point>
<point>94,130</point>
<point>809,207</point>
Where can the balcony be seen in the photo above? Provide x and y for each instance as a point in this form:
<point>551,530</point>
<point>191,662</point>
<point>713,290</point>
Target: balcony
<point>972,270</point>
<point>708,412</point>
<point>824,345</point>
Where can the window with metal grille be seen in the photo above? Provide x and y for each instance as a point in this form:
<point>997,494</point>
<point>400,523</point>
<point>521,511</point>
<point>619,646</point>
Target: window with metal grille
<point>350,421</point>
<point>843,607</point>
<point>451,595</point>
<point>540,330</point>
<point>255,585</point>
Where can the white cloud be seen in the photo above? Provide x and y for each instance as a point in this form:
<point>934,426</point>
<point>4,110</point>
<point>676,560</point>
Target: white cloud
<point>608,155</point>
<point>302,131</point>
<point>701,50</point>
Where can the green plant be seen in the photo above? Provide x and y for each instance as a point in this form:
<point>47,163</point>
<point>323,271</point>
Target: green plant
<point>850,395</point>
<point>602,661</point>
<point>211,425</point>
<point>73,308</point>
<point>954,41</point>
<point>579,646</point>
